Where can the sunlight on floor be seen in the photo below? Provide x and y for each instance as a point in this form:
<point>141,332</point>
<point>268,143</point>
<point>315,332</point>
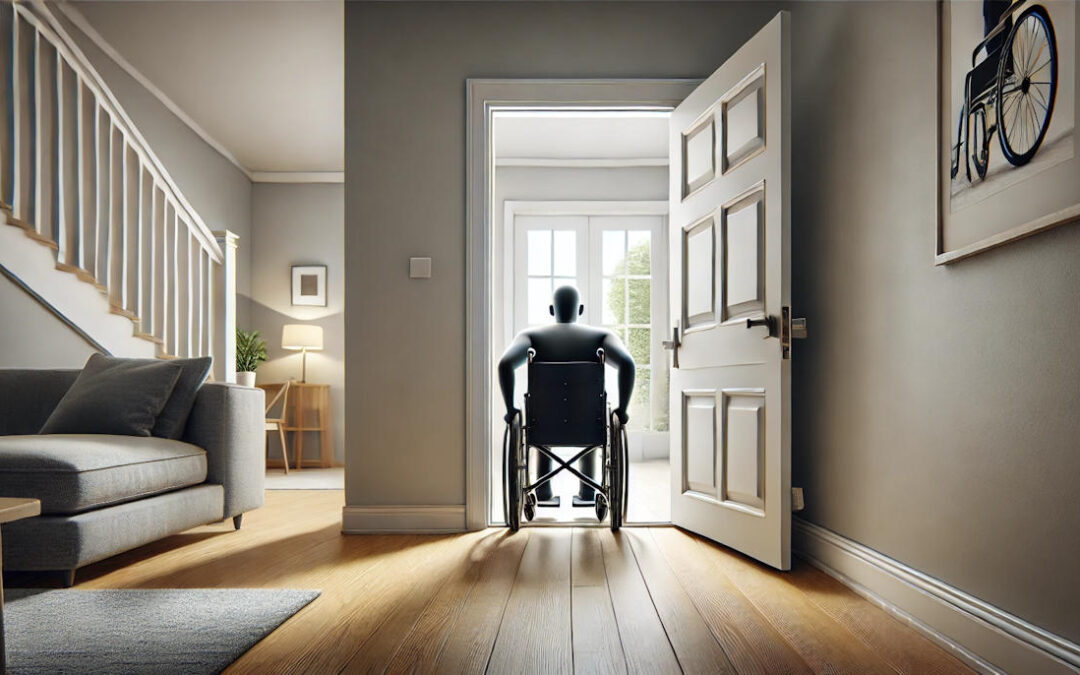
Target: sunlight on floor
<point>650,496</point>
<point>306,479</point>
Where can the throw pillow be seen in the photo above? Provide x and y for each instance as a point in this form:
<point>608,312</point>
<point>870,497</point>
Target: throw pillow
<point>114,396</point>
<point>173,418</point>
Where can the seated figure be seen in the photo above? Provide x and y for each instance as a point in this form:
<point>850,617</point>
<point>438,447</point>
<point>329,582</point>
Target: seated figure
<point>566,340</point>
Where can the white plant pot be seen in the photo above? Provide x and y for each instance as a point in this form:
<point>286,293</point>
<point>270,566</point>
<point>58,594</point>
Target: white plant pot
<point>246,379</point>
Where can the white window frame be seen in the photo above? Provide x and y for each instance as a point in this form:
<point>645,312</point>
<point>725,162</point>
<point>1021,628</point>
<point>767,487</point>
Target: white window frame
<point>589,237</point>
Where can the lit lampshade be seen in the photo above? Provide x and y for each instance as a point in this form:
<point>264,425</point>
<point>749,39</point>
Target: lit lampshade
<point>301,336</point>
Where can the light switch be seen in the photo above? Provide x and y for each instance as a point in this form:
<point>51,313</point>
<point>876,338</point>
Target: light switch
<point>419,268</point>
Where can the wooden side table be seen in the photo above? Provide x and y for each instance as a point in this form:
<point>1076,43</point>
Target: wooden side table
<point>308,409</point>
<point>12,509</point>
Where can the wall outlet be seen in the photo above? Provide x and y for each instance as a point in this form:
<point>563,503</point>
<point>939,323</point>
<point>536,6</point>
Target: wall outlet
<point>797,503</point>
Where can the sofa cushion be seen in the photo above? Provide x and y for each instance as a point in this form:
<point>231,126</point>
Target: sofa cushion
<point>71,473</point>
<point>170,423</point>
<point>114,396</point>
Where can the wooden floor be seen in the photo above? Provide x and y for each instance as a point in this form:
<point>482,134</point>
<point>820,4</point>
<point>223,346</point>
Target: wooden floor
<point>651,600</point>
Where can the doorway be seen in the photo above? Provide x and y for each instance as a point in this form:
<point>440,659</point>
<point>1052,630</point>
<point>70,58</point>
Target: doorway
<point>579,197</point>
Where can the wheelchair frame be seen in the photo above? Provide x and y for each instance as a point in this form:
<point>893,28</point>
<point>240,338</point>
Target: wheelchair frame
<point>987,101</point>
<point>519,496</point>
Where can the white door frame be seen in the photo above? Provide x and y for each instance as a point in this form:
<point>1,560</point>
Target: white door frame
<point>483,98</point>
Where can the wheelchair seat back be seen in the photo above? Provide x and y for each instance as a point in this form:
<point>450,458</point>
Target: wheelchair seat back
<point>566,404</point>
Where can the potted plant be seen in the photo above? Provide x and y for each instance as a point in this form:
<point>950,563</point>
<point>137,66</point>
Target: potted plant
<point>250,352</point>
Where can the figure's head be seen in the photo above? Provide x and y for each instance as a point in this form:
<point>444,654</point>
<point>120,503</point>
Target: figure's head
<point>566,305</point>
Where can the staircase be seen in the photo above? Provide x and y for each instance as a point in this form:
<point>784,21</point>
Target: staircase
<point>91,223</point>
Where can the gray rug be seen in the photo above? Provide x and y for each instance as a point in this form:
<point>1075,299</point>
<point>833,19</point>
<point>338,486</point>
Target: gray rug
<point>140,631</point>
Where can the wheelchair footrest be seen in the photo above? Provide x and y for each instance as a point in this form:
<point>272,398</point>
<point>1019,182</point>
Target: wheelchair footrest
<point>580,503</point>
<point>552,503</point>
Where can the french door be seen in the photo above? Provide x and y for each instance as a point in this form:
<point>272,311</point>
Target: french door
<point>616,256</point>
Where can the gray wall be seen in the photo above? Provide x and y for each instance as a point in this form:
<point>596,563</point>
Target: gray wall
<point>300,225</point>
<point>31,336</point>
<point>216,189</point>
<point>935,407</point>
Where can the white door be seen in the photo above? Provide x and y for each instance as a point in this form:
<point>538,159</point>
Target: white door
<point>730,266</point>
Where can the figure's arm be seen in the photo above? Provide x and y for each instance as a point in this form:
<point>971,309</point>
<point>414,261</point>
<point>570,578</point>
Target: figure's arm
<point>616,355</point>
<point>515,355</point>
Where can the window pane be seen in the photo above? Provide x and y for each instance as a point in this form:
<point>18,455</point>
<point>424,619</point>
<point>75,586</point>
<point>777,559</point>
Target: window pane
<point>639,345</point>
<point>640,403</point>
<point>614,301</point>
<point>538,250</point>
<point>638,257</point>
<point>539,300</point>
<point>565,262</point>
<point>614,252</point>
<point>640,311</point>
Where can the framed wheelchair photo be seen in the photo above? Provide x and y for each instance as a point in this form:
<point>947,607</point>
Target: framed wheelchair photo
<point>1009,135</point>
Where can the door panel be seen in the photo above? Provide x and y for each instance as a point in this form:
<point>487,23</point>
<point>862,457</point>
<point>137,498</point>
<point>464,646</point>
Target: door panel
<point>729,263</point>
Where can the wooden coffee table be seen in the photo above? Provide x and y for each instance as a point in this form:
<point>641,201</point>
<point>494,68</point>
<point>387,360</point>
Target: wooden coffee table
<point>12,509</point>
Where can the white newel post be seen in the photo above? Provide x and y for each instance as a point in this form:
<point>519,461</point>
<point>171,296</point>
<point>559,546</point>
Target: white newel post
<point>224,317</point>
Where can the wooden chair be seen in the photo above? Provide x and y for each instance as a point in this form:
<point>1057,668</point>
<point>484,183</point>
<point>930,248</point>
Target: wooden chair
<point>278,422</point>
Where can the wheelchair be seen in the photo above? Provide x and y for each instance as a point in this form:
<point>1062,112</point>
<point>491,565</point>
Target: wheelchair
<point>565,406</point>
<point>1010,92</point>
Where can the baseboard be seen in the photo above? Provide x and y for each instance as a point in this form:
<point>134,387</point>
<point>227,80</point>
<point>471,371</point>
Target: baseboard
<point>414,519</point>
<point>986,637</point>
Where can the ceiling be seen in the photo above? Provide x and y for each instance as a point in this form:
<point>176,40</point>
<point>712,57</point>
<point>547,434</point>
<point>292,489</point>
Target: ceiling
<point>264,80</point>
<point>581,135</point>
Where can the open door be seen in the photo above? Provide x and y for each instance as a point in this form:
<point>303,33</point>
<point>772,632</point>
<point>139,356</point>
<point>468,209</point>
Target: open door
<point>730,299</point>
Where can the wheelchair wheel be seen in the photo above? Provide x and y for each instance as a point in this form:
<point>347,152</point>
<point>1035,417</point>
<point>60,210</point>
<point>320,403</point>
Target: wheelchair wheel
<point>512,501</point>
<point>1027,85</point>
<point>529,508</point>
<point>980,141</point>
<point>617,485</point>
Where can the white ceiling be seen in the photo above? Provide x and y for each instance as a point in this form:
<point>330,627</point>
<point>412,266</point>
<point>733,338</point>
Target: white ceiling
<point>263,79</point>
<point>580,135</point>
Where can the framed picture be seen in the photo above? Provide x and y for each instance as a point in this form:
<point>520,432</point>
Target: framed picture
<point>309,285</point>
<point>1008,131</point>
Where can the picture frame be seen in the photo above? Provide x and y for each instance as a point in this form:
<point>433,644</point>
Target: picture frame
<point>309,285</point>
<point>1006,176</point>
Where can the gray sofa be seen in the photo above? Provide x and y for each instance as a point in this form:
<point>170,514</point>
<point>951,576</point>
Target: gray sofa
<point>102,495</point>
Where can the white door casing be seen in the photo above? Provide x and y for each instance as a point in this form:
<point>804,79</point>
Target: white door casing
<point>730,262</point>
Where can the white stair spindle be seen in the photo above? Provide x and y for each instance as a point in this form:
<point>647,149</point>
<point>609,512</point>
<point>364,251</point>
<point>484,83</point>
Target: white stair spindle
<point>46,135</point>
<point>87,157</point>
<point>130,267</point>
<point>24,145</point>
<point>7,106</point>
<point>144,288</point>
<point>67,166</point>
<point>115,256</point>
<point>103,180</point>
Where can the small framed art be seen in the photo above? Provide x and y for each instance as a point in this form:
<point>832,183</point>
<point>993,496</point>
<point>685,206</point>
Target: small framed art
<point>309,285</point>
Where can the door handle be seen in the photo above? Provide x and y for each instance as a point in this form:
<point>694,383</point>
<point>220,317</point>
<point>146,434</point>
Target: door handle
<point>673,344</point>
<point>767,321</point>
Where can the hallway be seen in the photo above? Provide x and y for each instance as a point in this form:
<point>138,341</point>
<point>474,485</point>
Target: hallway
<point>545,599</point>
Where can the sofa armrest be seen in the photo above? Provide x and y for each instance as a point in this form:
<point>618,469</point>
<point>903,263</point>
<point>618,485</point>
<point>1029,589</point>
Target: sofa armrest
<point>228,422</point>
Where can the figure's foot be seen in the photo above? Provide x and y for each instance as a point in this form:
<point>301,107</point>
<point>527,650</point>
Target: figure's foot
<point>549,503</point>
<point>584,502</point>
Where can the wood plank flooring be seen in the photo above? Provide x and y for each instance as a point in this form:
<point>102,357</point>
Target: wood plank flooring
<point>649,600</point>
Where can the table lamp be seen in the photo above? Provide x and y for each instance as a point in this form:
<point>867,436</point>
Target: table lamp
<point>302,336</point>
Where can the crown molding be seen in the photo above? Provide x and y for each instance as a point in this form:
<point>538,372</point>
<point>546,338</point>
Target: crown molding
<point>580,162</point>
<point>297,176</point>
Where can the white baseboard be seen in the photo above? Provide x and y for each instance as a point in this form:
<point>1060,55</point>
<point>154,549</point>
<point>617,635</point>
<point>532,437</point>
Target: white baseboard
<point>414,519</point>
<point>984,636</point>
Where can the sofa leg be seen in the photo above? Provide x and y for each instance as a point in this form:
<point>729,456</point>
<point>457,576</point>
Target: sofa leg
<point>237,520</point>
<point>69,578</point>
